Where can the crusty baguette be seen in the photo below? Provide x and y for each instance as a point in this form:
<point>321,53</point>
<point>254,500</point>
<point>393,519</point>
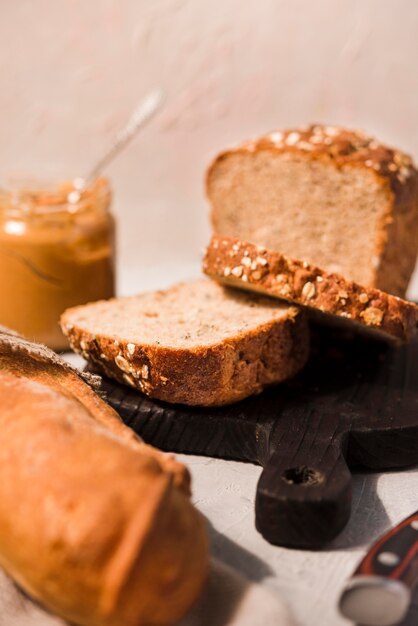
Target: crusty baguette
<point>333,197</point>
<point>94,524</point>
<point>252,267</point>
<point>195,343</point>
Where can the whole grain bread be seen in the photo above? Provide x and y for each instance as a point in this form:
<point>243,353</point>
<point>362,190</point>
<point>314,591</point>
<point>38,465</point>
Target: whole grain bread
<point>333,197</point>
<point>94,524</point>
<point>252,267</point>
<point>195,343</point>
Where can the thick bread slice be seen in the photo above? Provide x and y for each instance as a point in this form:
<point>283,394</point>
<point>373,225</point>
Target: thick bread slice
<point>254,268</point>
<point>196,343</point>
<point>335,198</point>
<point>94,524</point>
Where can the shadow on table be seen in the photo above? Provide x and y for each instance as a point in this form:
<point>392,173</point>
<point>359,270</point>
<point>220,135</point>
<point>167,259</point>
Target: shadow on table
<point>237,557</point>
<point>368,517</point>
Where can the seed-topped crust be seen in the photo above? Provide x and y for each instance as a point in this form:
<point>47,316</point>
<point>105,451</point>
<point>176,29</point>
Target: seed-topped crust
<point>340,145</point>
<point>276,275</point>
<point>203,345</point>
<point>298,190</point>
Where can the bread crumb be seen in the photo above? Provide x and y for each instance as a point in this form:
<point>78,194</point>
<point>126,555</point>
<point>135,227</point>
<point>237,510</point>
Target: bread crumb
<point>227,271</point>
<point>237,271</point>
<point>333,131</point>
<point>372,316</point>
<point>261,261</point>
<point>308,290</point>
<point>145,371</point>
<point>276,137</point>
<point>131,348</point>
<point>128,379</point>
<point>285,290</point>
<point>292,138</point>
<point>256,275</point>
<point>246,261</point>
<point>342,295</point>
<point>305,145</point>
<point>363,298</point>
<point>122,363</point>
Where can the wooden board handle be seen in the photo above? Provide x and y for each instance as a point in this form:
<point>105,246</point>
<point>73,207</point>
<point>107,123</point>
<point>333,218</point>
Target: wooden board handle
<point>303,505</point>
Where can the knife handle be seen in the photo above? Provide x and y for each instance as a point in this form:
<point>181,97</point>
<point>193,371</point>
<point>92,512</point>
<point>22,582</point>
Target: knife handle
<point>379,592</point>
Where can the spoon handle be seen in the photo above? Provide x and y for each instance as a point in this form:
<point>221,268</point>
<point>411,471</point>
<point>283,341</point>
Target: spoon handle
<point>139,118</point>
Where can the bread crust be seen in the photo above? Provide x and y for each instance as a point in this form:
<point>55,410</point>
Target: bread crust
<point>274,274</point>
<point>208,375</point>
<point>396,239</point>
<point>94,524</point>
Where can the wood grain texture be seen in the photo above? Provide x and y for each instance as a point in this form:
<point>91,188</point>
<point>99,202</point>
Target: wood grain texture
<point>354,406</point>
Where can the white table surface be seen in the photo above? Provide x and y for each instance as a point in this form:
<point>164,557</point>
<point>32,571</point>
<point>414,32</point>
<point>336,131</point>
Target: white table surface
<point>224,492</point>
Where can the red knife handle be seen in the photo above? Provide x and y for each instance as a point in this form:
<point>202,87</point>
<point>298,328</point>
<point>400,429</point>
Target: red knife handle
<point>395,555</point>
<point>378,594</point>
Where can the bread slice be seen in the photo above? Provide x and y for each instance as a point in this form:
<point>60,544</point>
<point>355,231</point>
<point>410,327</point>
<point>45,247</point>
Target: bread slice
<point>326,195</point>
<point>195,343</point>
<point>254,268</point>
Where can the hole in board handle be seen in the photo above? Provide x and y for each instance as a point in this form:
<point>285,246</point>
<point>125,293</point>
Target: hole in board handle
<point>302,475</point>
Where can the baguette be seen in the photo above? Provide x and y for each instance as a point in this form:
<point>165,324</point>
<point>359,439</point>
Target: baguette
<point>94,524</point>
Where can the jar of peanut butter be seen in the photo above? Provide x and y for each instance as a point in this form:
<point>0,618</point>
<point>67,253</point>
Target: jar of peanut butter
<point>56,251</point>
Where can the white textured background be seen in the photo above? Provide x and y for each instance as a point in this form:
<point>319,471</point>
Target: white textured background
<point>72,71</point>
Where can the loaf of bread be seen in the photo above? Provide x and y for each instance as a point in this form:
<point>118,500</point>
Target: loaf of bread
<point>195,343</point>
<point>331,296</point>
<point>94,524</point>
<point>335,198</point>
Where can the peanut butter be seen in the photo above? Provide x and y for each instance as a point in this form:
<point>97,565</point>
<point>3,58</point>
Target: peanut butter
<point>56,251</point>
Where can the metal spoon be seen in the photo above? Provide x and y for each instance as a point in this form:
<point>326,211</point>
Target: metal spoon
<point>139,118</point>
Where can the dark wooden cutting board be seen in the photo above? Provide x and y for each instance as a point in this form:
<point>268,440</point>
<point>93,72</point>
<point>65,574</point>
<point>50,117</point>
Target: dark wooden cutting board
<point>354,406</point>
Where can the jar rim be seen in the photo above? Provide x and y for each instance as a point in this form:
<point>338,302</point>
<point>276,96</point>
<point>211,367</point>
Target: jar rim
<point>23,195</point>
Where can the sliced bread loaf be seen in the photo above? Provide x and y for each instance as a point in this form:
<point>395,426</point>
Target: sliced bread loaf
<point>332,197</point>
<point>195,343</point>
<point>255,268</point>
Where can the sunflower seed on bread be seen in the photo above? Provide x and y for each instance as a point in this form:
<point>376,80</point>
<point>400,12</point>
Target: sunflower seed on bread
<point>341,300</point>
<point>196,343</point>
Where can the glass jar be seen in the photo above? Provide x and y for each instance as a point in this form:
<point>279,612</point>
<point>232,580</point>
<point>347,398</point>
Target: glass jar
<point>56,251</point>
